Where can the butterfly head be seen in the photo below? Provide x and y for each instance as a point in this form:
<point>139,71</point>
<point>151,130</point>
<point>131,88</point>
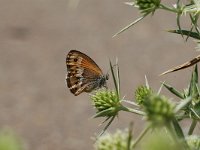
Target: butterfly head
<point>102,80</point>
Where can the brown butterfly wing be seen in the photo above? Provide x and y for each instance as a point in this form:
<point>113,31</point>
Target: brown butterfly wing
<point>82,72</point>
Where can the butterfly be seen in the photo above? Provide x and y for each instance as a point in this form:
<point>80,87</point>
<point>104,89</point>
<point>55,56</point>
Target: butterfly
<point>83,74</point>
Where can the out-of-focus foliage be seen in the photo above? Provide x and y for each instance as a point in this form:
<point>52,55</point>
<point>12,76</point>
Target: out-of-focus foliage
<point>116,141</point>
<point>159,140</point>
<point>9,141</point>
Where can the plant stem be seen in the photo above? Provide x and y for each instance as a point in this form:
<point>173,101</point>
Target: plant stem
<point>141,136</point>
<point>177,129</point>
<point>168,8</point>
<point>192,127</point>
<point>130,136</point>
<point>179,140</point>
<point>130,102</point>
<point>173,134</point>
<point>127,109</point>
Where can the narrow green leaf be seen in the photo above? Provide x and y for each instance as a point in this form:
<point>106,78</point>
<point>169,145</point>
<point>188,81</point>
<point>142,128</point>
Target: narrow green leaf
<point>197,109</point>
<point>130,3</point>
<point>174,91</point>
<point>106,127</point>
<point>194,20</point>
<point>195,113</point>
<point>132,110</point>
<point>182,104</point>
<point>147,83</point>
<point>187,33</point>
<point>104,121</point>
<point>193,91</point>
<point>198,90</point>
<point>178,129</point>
<point>178,23</point>
<point>178,3</point>
<point>103,113</point>
<point>114,78</point>
<point>130,102</point>
<point>192,127</point>
<point>160,89</point>
<point>130,136</point>
<point>118,78</point>
<point>196,74</point>
<point>179,133</point>
<point>130,25</point>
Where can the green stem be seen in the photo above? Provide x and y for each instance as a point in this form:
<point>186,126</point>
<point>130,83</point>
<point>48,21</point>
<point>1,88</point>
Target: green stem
<point>141,136</point>
<point>179,140</point>
<point>127,109</point>
<point>172,132</point>
<point>130,136</point>
<point>169,8</point>
<point>192,127</point>
<point>130,102</point>
<point>177,129</point>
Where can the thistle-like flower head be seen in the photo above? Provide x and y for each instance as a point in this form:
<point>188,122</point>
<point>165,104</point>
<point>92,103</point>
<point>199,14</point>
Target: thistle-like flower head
<point>159,110</point>
<point>147,6</point>
<point>106,103</point>
<point>141,93</point>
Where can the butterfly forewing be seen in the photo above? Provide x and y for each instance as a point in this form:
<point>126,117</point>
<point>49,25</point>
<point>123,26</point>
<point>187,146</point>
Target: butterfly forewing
<point>83,73</point>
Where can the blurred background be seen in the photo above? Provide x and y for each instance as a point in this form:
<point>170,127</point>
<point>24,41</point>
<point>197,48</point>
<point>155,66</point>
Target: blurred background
<point>35,37</point>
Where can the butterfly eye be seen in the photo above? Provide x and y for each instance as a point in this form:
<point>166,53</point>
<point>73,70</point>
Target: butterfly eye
<point>75,59</point>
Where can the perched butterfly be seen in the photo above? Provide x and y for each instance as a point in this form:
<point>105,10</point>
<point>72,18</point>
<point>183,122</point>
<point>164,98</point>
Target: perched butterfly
<point>83,74</point>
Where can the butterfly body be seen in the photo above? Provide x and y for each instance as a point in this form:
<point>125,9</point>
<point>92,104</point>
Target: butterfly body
<point>83,74</point>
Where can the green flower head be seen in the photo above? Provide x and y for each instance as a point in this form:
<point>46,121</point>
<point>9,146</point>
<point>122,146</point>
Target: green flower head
<point>106,103</point>
<point>141,93</point>
<point>159,109</point>
<point>147,6</point>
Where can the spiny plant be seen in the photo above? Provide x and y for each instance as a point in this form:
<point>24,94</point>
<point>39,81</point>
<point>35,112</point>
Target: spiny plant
<point>163,116</point>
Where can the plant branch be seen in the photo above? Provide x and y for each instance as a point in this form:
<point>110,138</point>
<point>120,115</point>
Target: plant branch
<point>127,109</point>
<point>141,136</point>
<point>192,127</point>
<point>169,8</point>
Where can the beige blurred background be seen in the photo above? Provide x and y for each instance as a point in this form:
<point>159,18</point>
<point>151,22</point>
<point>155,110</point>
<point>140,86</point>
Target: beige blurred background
<point>36,35</point>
